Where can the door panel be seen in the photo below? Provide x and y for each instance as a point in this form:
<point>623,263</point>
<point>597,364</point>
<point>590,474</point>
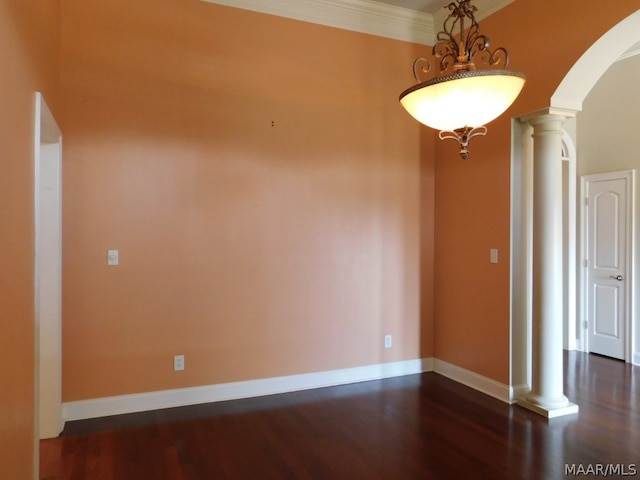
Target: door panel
<point>606,225</point>
<point>606,318</point>
<point>607,200</point>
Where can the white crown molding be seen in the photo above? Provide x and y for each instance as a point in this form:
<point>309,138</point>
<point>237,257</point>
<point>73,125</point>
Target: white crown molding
<point>364,16</point>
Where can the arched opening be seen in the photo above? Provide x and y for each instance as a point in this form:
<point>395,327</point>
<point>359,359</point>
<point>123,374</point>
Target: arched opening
<point>567,99</point>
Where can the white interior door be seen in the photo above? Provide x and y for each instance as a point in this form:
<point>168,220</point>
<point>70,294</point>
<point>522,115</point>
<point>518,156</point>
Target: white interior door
<point>608,209</point>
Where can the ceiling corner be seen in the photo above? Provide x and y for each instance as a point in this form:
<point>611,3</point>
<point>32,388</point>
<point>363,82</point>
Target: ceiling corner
<point>485,9</point>
<point>384,19</point>
<point>364,16</point>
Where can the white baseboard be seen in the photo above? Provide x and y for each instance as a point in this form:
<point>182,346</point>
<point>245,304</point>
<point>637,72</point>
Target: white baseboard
<point>636,358</point>
<point>478,382</point>
<point>103,407</point>
<point>518,391</point>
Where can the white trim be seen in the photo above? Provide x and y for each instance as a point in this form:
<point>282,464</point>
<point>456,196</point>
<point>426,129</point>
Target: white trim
<point>585,73</point>
<point>479,382</point>
<point>428,364</point>
<point>49,130</point>
<point>117,405</point>
<point>570,243</point>
<point>102,407</point>
<point>521,251</point>
<point>633,355</point>
<point>47,271</point>
<point>569,409</point>
<point>632,52</point>
<point>631,251</point>
<point>517,392</point>
<point>47,403</point>
<point>364,16</point>
<point>559,111</point>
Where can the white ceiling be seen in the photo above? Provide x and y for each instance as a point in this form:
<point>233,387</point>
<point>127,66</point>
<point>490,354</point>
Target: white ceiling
<point>415,21</point>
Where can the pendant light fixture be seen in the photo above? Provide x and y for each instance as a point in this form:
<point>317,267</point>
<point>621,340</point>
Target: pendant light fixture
<point>461,99</point>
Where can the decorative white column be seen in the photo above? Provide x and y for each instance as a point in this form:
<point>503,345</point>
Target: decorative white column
<point>546,396</point>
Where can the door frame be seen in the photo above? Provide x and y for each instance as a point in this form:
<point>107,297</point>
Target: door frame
<point>47,275</point>
<point>629,176</point>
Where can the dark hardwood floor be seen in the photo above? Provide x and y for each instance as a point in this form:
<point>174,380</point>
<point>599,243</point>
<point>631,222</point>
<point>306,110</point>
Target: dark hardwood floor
<point>413,427</point>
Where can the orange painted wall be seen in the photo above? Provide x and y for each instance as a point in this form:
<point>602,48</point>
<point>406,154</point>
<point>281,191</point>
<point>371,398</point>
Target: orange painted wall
<point>262,184</point>
<point>254,248</point>
<point>29,41</point>
<point>427,240</point>
<point>544,38</point>
<point>273,207</point>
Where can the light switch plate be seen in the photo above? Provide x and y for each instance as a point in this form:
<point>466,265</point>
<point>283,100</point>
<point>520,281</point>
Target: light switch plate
<point>178,363</point>
<point>112,257</point>
<point>493,255</point>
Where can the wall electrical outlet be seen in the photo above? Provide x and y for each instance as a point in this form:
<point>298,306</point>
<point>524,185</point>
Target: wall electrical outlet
<point>388,341</point>
<point>178,363</point>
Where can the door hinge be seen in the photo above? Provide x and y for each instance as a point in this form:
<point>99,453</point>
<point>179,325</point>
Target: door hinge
<point>586,201</point>
<point>586,324</point>
<point>586,263</point>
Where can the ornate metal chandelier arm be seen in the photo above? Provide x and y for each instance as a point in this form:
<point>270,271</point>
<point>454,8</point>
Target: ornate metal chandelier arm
<point>472,35</point>
<point>476,43</point>
<point>497,56</point>
<point>450,22</point>
<point>463,136</point>
<point>421,66</point>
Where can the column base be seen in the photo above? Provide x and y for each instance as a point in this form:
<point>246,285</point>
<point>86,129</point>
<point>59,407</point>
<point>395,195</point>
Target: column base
<point>549,412</point>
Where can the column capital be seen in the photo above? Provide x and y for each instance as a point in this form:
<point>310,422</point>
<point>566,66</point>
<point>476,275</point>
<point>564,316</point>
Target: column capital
<point>544,112</point>
<point>547,124</point>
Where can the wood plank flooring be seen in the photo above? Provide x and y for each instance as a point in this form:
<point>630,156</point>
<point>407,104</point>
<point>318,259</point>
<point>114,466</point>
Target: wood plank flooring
<point>413,427</point>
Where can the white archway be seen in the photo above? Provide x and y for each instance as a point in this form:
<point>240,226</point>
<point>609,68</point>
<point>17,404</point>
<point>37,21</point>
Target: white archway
<point>565,102</point>
<point>586,72</point>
